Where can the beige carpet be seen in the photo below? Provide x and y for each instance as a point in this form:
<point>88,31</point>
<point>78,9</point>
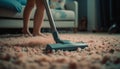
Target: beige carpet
<point>20,52</point>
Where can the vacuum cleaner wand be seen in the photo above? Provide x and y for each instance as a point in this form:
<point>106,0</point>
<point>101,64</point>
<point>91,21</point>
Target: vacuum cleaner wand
<point>61,44</point>
<point>52,22</point>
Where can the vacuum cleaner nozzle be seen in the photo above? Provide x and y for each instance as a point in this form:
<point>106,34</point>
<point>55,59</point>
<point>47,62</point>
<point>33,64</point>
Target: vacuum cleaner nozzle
<point>65,47</point>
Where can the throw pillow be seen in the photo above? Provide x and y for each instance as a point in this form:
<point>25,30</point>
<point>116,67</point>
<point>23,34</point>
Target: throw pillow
<point>57,4</point>
<point>11,5</point>
<point>23,2</point>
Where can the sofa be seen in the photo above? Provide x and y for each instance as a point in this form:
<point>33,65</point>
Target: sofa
<point>64,18</point>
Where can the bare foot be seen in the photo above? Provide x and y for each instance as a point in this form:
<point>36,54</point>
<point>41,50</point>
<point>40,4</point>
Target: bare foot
<point>26,33</point>
<point>40,34</point>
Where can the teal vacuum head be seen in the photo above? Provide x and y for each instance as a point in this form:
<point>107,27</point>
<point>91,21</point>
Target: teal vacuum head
<point>64,45</point>
<point>60,44</point>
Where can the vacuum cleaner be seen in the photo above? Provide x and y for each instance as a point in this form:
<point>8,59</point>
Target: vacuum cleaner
<point>64,45</point>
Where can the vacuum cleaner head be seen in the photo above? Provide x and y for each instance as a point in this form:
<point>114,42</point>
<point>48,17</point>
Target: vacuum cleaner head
<point>65,47</point>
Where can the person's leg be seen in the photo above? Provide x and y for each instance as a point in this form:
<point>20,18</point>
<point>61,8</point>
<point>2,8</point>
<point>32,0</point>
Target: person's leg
<point>26,16</point>
<point>38,18</point>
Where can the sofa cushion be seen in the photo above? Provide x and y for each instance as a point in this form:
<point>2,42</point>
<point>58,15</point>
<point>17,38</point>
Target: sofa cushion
<point>11,5</point>
<point>23,2</point>
<point>69,0</point>
<point>57,14</point>
<point>62,15</point>
<point>57,4</point>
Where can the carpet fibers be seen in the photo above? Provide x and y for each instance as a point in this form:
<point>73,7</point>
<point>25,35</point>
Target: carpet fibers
<point>21,52</point>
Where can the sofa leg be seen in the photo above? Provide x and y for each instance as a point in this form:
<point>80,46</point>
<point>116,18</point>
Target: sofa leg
<point>75,30</point>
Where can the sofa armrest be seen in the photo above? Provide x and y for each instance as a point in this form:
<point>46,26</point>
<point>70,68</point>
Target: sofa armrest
<point>74,7</point>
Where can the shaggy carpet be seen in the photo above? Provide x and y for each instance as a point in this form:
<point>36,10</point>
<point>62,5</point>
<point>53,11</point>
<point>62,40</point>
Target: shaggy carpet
<point>20,52</point>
